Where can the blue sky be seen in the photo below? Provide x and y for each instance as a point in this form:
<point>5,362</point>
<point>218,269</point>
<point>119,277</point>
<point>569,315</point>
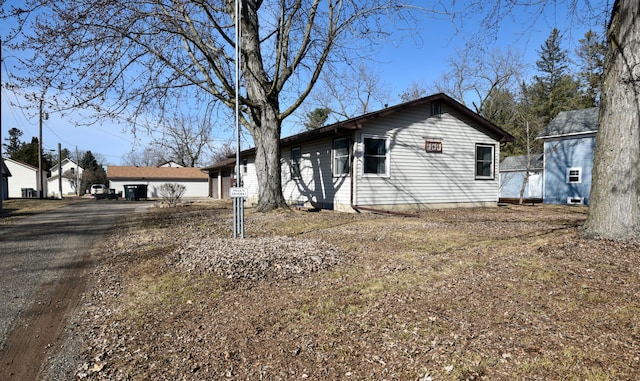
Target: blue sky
<point>421,58</point>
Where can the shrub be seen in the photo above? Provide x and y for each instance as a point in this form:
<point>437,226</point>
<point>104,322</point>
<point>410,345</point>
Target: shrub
<point>171,192</point>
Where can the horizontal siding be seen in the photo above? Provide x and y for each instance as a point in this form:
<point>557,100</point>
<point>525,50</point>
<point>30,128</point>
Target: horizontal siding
<point>560,155</point>
<point>316,184</point>
<point>418,177</point>
<point>196,188</point>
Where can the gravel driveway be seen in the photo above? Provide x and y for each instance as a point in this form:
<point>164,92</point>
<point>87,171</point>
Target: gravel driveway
<point>43,267</point>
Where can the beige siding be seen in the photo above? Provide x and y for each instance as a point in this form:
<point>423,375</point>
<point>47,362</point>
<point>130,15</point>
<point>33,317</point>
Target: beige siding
<point>420,178</point>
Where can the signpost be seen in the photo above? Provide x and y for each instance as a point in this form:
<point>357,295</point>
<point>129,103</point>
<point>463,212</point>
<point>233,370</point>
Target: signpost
<point>237,193</point>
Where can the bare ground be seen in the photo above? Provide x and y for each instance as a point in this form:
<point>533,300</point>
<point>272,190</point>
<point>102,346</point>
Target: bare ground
<point>509,293</point>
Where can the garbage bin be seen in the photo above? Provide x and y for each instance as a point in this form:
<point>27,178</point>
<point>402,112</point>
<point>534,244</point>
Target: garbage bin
<point>131,193</point>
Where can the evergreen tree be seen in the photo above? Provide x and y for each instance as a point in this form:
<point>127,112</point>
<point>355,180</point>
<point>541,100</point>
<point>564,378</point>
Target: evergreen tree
<point>93,173</point>
<point>28,153</point>
<point>317,118</point>
<point>13,142</point>
<point>591,60</point>
<point>554,90</point>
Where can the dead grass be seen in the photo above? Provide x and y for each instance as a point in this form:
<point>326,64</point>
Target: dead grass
<point>467,294</point>
<point>19,208</point>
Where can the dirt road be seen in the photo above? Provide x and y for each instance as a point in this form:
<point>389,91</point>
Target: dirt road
<point>44,262</point>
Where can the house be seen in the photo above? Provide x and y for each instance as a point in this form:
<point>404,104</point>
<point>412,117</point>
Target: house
<point>427,153</point>
<point>24,179</point>
<point>569,143</point>
<point>513,170</point>
<point>71,174</point>
<point>4,177</point>
<point>194,179</point>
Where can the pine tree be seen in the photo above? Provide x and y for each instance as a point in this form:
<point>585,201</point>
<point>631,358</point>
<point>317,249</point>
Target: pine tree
<point>317,118</point>
<point>93,173</point>
<point>591,59</point>
<point>554,90</point>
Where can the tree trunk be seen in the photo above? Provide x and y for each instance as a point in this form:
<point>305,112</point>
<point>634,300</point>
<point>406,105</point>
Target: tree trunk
<point>614,212</point>
<point>267,141</point>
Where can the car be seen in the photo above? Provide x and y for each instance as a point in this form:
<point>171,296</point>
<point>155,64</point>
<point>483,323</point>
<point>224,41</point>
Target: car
<point>98,189</point>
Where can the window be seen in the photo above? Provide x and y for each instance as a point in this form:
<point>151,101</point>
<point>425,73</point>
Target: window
<point>433,146</point>
<point>296,156</point>
<point>436,108</point>
<point>245,162</point>
<point>376,155</point>
<point>574,175</point>
<point>575,200</point>
<point>341,157</point>
<point>484,161</point>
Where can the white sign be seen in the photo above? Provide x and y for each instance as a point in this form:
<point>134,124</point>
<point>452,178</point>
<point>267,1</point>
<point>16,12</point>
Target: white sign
<point>235,192</point>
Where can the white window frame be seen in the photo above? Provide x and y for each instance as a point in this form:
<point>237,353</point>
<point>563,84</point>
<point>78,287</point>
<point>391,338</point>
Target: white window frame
<point>492,176</point>
<point>335,157</point>
<point>578,175</point>
<point>387,156</point>
<point>296,171</point>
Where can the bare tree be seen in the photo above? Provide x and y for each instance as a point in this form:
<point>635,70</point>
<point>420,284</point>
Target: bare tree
<point>475,74</point>
<point>148,156</point>
<point>223,151</point>
<point>414,91</point>
<point>132,57</point>
<point>350,92</point>
<point>614,212</point>
<point>185,141</point>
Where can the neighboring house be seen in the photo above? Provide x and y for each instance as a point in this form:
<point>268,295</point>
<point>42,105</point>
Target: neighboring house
<point>513,170</point>
<point>427,153</point>
<point>24,179</point>
<point>71,174</point>
<point>194,179</point>
<point>569,142</point>
<point>4,177</point>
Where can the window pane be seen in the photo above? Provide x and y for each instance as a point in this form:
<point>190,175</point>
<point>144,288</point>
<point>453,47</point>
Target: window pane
<point>484,161</point>
<point>341,165</point>
<point>374,164</point>
<point>374,146</point>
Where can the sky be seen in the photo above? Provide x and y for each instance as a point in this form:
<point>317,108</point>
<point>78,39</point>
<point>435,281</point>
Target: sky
<point>421,57</point>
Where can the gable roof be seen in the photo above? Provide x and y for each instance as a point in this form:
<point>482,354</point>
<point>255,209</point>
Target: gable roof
<point>519,163</point>
<point>357,123</point>
<point>154,173</point>
<point>20,163</point>
<point>4,171</point>
<point>573,122</point>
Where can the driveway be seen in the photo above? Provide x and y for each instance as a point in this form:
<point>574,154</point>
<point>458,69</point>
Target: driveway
<point>44,262</point>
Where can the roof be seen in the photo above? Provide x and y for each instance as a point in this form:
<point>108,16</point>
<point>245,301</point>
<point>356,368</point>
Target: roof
<point>23,164</point>
<point>573,122</point>
<point>154,173</point>
<point>519,163</point>
<point>4,171</point>
<point>347,126</point>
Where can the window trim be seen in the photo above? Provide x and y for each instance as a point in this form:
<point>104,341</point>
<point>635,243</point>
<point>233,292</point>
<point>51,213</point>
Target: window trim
<point>387,156</point>
<point>569,176</point>
<point>294,163</point>
<point>493,161</point>
<point>334,167</point>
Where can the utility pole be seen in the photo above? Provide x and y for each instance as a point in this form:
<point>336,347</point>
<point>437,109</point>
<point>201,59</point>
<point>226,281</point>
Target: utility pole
<point>40,185</point>
<point>60,171</point>
<point>1,159</point>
